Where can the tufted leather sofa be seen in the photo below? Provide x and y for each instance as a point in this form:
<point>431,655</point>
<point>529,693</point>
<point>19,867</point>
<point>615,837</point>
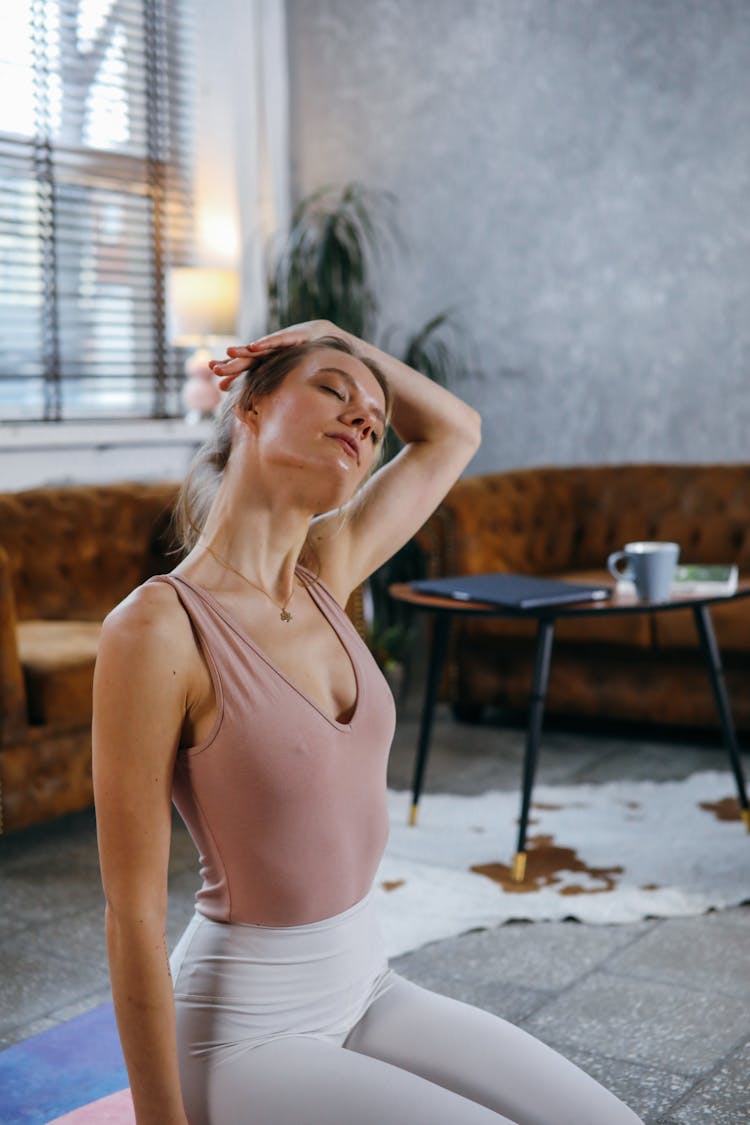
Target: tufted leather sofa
<point>67,556</point>
<point>564,522</point>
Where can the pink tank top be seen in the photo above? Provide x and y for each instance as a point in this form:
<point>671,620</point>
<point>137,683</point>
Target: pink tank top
<point>286,805</point>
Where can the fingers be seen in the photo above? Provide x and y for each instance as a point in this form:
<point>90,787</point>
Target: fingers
<point>227,380</point>
<point>242,356</point>
<point>228,370</point>
<point>235,363</point>
<point>241,359</point>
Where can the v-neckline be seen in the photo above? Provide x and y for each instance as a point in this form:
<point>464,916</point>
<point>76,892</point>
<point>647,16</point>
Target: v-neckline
<point>243,635</point>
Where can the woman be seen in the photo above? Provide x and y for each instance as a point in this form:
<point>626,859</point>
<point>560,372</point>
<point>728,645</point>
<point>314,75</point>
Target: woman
<point>238,687</point>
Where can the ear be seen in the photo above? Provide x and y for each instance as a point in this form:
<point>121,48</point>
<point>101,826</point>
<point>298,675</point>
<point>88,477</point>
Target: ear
<point>248,416</point>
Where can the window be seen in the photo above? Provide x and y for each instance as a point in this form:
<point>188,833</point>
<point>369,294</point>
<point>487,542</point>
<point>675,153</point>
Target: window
<point>95,205</point>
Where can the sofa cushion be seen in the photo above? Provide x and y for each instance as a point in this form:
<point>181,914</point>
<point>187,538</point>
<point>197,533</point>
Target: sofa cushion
<point>625,684</point>
<point>58,658</point>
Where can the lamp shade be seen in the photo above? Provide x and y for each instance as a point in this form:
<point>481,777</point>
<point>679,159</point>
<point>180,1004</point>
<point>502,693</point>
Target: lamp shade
<point>202,303</point>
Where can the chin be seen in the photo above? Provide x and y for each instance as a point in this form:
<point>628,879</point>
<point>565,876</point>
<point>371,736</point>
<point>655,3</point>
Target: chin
<point>328,486</point>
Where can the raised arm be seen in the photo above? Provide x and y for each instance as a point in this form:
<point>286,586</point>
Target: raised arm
<point>139,707</point>
<point>440,432</point>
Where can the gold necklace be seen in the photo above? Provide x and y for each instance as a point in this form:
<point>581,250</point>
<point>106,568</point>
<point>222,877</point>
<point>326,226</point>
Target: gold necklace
<point>284,614</point>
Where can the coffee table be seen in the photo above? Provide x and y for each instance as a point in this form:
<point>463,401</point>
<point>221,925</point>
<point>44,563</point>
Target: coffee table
<point>443,610</point>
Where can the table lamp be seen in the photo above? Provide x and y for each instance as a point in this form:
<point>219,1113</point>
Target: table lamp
<point>203,311</point>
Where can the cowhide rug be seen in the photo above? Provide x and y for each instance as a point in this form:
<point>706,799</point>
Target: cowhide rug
<point>598,853</point>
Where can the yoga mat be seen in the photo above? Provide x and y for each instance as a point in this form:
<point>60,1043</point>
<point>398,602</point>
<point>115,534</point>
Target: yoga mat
<point>117,1109</point>
<point>62,1069</point>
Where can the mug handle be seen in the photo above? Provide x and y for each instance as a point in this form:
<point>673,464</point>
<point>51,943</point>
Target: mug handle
<point>613,565</point>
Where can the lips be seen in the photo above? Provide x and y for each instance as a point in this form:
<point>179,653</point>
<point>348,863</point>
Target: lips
<point>349,444</point>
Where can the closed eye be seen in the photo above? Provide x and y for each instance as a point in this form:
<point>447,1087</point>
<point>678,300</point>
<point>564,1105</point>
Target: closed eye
<point>333,391</point>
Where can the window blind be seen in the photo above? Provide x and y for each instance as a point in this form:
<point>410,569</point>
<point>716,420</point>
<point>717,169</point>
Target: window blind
<point>95,204</point>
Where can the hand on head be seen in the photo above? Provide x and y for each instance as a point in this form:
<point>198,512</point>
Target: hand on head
<point>241,360</point>
<point>242,357</point>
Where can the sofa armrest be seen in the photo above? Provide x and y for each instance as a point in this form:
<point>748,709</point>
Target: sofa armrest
<point>516,521</point>
<point>13,715</point>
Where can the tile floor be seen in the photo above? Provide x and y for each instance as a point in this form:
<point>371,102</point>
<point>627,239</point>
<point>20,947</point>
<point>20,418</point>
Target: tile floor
<point>658,1010</point>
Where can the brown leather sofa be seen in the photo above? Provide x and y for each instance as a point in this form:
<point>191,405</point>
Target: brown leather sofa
<point>565,521</point>
<point>67,556</point>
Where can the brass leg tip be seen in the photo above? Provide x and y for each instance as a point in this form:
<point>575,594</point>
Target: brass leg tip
<point>746,817</point>
<point>518,871</point>
<point>413,816</point>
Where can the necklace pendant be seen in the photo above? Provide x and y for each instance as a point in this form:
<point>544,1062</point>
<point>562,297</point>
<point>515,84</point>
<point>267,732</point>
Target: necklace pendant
<point>285,615</point>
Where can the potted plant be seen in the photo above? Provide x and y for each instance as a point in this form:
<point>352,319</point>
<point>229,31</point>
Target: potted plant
<point>324,268</point>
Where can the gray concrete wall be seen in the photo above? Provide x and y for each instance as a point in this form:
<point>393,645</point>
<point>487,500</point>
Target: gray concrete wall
<point>574,177</point>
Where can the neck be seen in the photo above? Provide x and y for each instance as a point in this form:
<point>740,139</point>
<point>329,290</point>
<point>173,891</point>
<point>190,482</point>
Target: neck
<point>260,541</point>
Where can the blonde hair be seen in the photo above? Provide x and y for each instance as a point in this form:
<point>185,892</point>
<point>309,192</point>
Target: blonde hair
<point>205,474</point>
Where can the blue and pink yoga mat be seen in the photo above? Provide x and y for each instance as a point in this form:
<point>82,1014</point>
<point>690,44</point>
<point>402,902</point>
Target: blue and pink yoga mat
<point>73,1074</point>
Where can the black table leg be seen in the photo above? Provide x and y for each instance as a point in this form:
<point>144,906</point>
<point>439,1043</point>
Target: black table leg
<point>542,657</point>
<point>716,673</point>
<point>434,670</point>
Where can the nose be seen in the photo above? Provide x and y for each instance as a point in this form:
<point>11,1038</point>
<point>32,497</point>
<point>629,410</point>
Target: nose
<point>358,418</point>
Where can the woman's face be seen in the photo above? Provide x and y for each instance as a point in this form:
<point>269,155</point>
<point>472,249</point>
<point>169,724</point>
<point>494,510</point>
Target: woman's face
<point>328,415</point>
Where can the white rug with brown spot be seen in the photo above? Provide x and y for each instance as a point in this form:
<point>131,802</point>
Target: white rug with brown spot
<point>598,853</point>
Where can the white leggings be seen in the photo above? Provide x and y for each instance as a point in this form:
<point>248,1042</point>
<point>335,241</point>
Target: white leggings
<point>307,1025</point>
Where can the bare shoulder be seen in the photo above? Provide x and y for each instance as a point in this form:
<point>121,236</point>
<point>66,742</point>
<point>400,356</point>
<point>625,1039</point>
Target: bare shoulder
<point>141,684</point>
<point>149,622</point>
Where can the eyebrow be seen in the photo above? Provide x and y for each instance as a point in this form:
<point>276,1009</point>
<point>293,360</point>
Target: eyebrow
<point>352,382</point>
